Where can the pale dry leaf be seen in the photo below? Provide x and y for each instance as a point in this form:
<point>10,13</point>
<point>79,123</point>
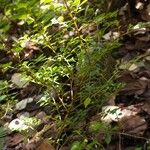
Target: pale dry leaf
<point>115,113</point>
<point>139,6</point>
<point>133,125</point>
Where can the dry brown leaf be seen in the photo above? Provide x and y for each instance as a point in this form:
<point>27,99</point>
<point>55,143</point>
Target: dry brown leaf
<point>140,44</point>
<point>15,139</point>
<point>137,87</point>
<point>45,146</point>
<point>128,76</point>
<point>133,125</point>
<point>65,148</point>
<point>33,143</point>
<point>145,16</point>
<point>145,73</point>
<point>129,46</point>
<point>146,107</point>
<point>144,38</point>
<point>30,49</point>
<point>30,146</point>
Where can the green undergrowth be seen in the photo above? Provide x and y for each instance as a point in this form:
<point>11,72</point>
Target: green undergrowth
<point>59,47</point>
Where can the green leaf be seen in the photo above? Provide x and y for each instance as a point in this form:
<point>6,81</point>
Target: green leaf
<point>95,126</point>
<point>3,98</point>
<point>21,14</point>
<point>22,5</point>
<point>45,1</point>
<point>83,2</point>
<point>76,145</point>
<point>138,148</point>
<point>3,133</point>
<point>4,25</point>
<point>76,3</point>
<point>108,138</point>
<point>87,102</point>
<point>148,147</point>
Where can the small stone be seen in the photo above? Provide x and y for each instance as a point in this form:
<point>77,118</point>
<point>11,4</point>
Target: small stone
<point>23,115</point>
<point>41,115</point>
<point>18,80</point>
<point>17,125</point>
<point>22,104</point>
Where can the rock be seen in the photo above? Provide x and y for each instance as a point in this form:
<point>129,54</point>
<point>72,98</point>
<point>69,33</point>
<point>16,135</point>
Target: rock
<point>19,80</point>
<point>42,116</point>
<point>17,125</point>
<point>22,104</point>
<point>23,115</point>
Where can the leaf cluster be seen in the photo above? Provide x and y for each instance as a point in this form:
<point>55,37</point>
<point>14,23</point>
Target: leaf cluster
<point>59,45</point>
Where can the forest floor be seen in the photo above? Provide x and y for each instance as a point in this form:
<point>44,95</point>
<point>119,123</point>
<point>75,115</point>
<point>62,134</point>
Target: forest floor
<point>132,103</point>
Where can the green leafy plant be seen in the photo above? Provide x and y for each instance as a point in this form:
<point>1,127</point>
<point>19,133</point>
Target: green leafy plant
<point>3,133</point>
<point>99,126</point>
<point>60,47</point>
<point>3,90</point>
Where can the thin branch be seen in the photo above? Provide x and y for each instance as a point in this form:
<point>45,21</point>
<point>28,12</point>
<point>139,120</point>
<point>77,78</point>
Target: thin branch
<point>134,136</point>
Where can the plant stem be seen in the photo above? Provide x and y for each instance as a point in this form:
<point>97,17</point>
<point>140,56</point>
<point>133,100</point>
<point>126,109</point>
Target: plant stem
<point>83,42</point>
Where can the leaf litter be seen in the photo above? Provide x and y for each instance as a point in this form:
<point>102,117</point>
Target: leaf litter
<point>135,96</point>
<point>129,104</point>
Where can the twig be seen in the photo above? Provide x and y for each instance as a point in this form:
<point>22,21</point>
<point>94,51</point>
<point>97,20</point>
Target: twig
<point>119,141</point>
<point>7,108</point>
<point>73,18</point>
<point>134,136</point>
